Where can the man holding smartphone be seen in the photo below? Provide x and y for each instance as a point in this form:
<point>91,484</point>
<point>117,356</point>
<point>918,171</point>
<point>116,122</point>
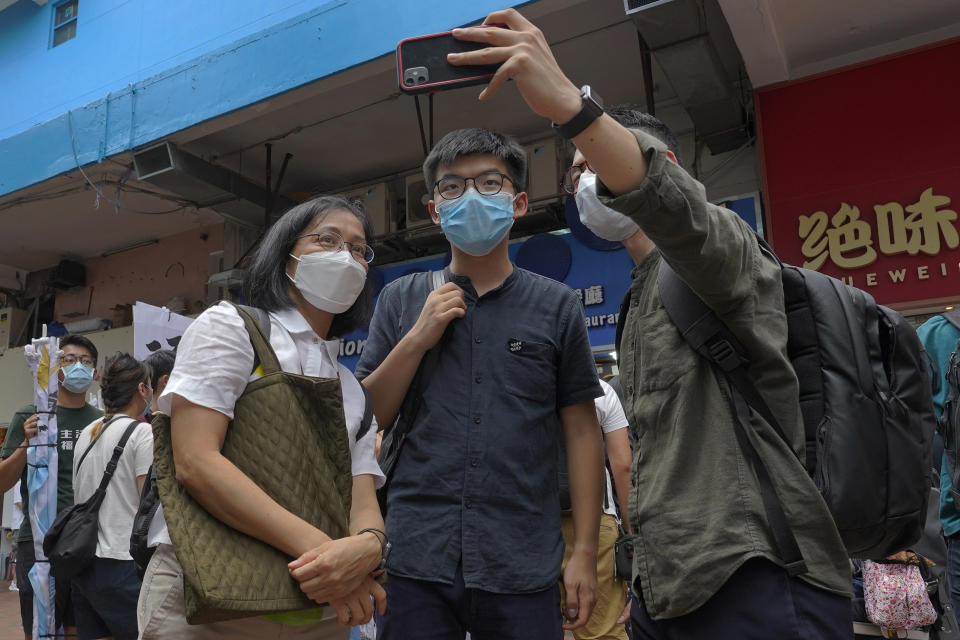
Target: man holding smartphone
<point>472,507</point>
<point>704,553</point>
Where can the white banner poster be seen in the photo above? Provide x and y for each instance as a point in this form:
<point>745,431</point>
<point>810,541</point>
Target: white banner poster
<point>156,328</point>
<point>42,357</point>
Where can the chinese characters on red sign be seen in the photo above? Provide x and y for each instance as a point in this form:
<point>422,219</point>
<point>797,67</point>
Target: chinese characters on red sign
<point>853,193</point>
<point>924,227</point>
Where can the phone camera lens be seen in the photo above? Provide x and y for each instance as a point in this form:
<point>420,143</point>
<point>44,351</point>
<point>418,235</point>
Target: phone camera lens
<point>409,81</point>
<point>421,79</point>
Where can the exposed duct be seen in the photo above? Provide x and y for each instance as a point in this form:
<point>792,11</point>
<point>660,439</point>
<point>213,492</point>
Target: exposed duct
<point>209,185</point>
<point>686,37</point>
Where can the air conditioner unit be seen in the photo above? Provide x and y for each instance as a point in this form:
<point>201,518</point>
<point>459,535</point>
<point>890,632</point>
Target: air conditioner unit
<point>418,215</point>
<point>633,6</point>
<point>375,199</point>
<point>543,169</point>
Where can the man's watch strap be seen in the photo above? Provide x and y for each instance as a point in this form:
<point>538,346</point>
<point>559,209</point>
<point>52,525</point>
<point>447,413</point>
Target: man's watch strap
<point>591,110</point>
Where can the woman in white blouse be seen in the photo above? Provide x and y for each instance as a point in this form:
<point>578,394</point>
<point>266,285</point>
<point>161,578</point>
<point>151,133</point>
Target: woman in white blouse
<point>105,593</point>
<point>309,273</point>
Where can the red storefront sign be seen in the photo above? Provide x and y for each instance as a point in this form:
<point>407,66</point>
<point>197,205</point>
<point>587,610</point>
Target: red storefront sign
<point>861,173</point>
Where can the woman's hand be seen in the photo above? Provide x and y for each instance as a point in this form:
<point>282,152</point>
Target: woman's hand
<point>356,607</point>
<point>336,568</point>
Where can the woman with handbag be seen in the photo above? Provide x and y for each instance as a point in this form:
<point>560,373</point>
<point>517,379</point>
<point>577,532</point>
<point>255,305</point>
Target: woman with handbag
<point>272,465</point>
<point>105,593</point>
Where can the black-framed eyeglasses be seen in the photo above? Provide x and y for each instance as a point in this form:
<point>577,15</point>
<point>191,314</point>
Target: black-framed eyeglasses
<point>68,359</point>
<point>571,178</point>
<point>333,241</point>
<point>488,183</point>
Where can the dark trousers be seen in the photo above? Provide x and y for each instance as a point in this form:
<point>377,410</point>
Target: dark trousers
<point>759,601</point>
<point>105,600</point>
<point>421,610</point>
<point>953,570</point>
<point>63,606</point>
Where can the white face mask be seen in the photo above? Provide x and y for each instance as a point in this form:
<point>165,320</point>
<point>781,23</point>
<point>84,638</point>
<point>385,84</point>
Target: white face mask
<point>329,280</point>
<point>602,221</point>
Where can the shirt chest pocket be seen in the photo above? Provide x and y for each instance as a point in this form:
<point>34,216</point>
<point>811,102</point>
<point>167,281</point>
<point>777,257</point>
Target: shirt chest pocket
<point>661,354</point>
<point>531,371</point>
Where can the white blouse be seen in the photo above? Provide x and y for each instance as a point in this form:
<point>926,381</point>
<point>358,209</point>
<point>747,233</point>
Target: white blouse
<point>122,496</point>
<point>214,363</point>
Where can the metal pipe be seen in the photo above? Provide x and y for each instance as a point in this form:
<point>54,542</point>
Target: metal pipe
<point>423,135</point>
<point>283,170</point>
<point>430,103</point>
<point>268,208</point>
<point>646,65</point>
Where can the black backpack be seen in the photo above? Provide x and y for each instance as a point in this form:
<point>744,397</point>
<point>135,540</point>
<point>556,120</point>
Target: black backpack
<point>866,401</point>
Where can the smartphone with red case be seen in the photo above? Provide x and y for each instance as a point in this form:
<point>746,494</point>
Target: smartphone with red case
<point>422,65</point>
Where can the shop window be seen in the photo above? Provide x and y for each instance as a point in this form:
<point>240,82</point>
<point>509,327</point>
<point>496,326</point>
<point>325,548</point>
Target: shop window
<point>64,22</point>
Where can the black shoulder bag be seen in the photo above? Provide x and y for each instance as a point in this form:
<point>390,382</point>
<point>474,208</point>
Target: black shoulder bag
<point>71,543</point>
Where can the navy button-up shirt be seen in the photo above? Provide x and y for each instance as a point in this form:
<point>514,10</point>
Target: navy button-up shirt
<point>476,481</point>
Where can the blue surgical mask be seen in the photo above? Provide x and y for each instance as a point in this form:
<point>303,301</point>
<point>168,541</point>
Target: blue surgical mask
<point>146,410</point>
<point>474,223</point>
<point>77,378</point>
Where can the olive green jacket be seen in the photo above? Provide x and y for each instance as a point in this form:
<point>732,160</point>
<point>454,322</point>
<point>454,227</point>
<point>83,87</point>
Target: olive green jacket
<point>694,500</point>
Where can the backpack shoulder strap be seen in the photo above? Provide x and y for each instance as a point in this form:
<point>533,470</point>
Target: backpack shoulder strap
<point>622,318</point>
<point>117,451</point>
<point>411,402</point>
<point>706,333</point>
<point>367,419</point>
<point>953,317</point>
<point>437,279</point>
<point>93,441</point>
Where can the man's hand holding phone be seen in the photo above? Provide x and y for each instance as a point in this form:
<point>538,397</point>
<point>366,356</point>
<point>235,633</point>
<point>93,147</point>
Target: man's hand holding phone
<point>524,57</point>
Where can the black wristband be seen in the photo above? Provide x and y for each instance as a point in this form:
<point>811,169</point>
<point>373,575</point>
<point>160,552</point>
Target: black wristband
<point>591,110</point>
<point>385,546</point>
<point>381,535</point>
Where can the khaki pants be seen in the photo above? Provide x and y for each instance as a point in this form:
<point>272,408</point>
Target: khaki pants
<point>611,591</point>
<point>161,614</point>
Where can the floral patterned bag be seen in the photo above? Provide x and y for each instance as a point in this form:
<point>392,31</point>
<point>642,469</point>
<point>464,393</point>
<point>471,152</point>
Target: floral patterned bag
<point>895,594</point>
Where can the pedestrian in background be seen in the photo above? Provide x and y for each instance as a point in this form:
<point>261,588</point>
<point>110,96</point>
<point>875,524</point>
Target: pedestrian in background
<point>105,593</point>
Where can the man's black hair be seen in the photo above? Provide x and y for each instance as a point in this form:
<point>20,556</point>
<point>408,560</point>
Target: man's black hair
<point>160,363</point>
<point>636,119</point>
<point>80,341</point>
<point>267,285</point>
<point>468,142</point>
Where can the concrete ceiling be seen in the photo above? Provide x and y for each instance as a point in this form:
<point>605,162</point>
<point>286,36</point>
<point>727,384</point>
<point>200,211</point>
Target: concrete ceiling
<point>60,218</point>
<point>350,128</point>
<point>787,39</point>
<point>357,127</point>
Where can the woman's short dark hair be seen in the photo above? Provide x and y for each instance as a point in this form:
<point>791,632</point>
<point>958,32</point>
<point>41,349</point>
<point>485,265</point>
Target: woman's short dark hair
<point>122,374</point>
<point>267,285</point>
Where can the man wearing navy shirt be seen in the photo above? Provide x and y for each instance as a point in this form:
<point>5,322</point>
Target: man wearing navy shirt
<point>473,512</point>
